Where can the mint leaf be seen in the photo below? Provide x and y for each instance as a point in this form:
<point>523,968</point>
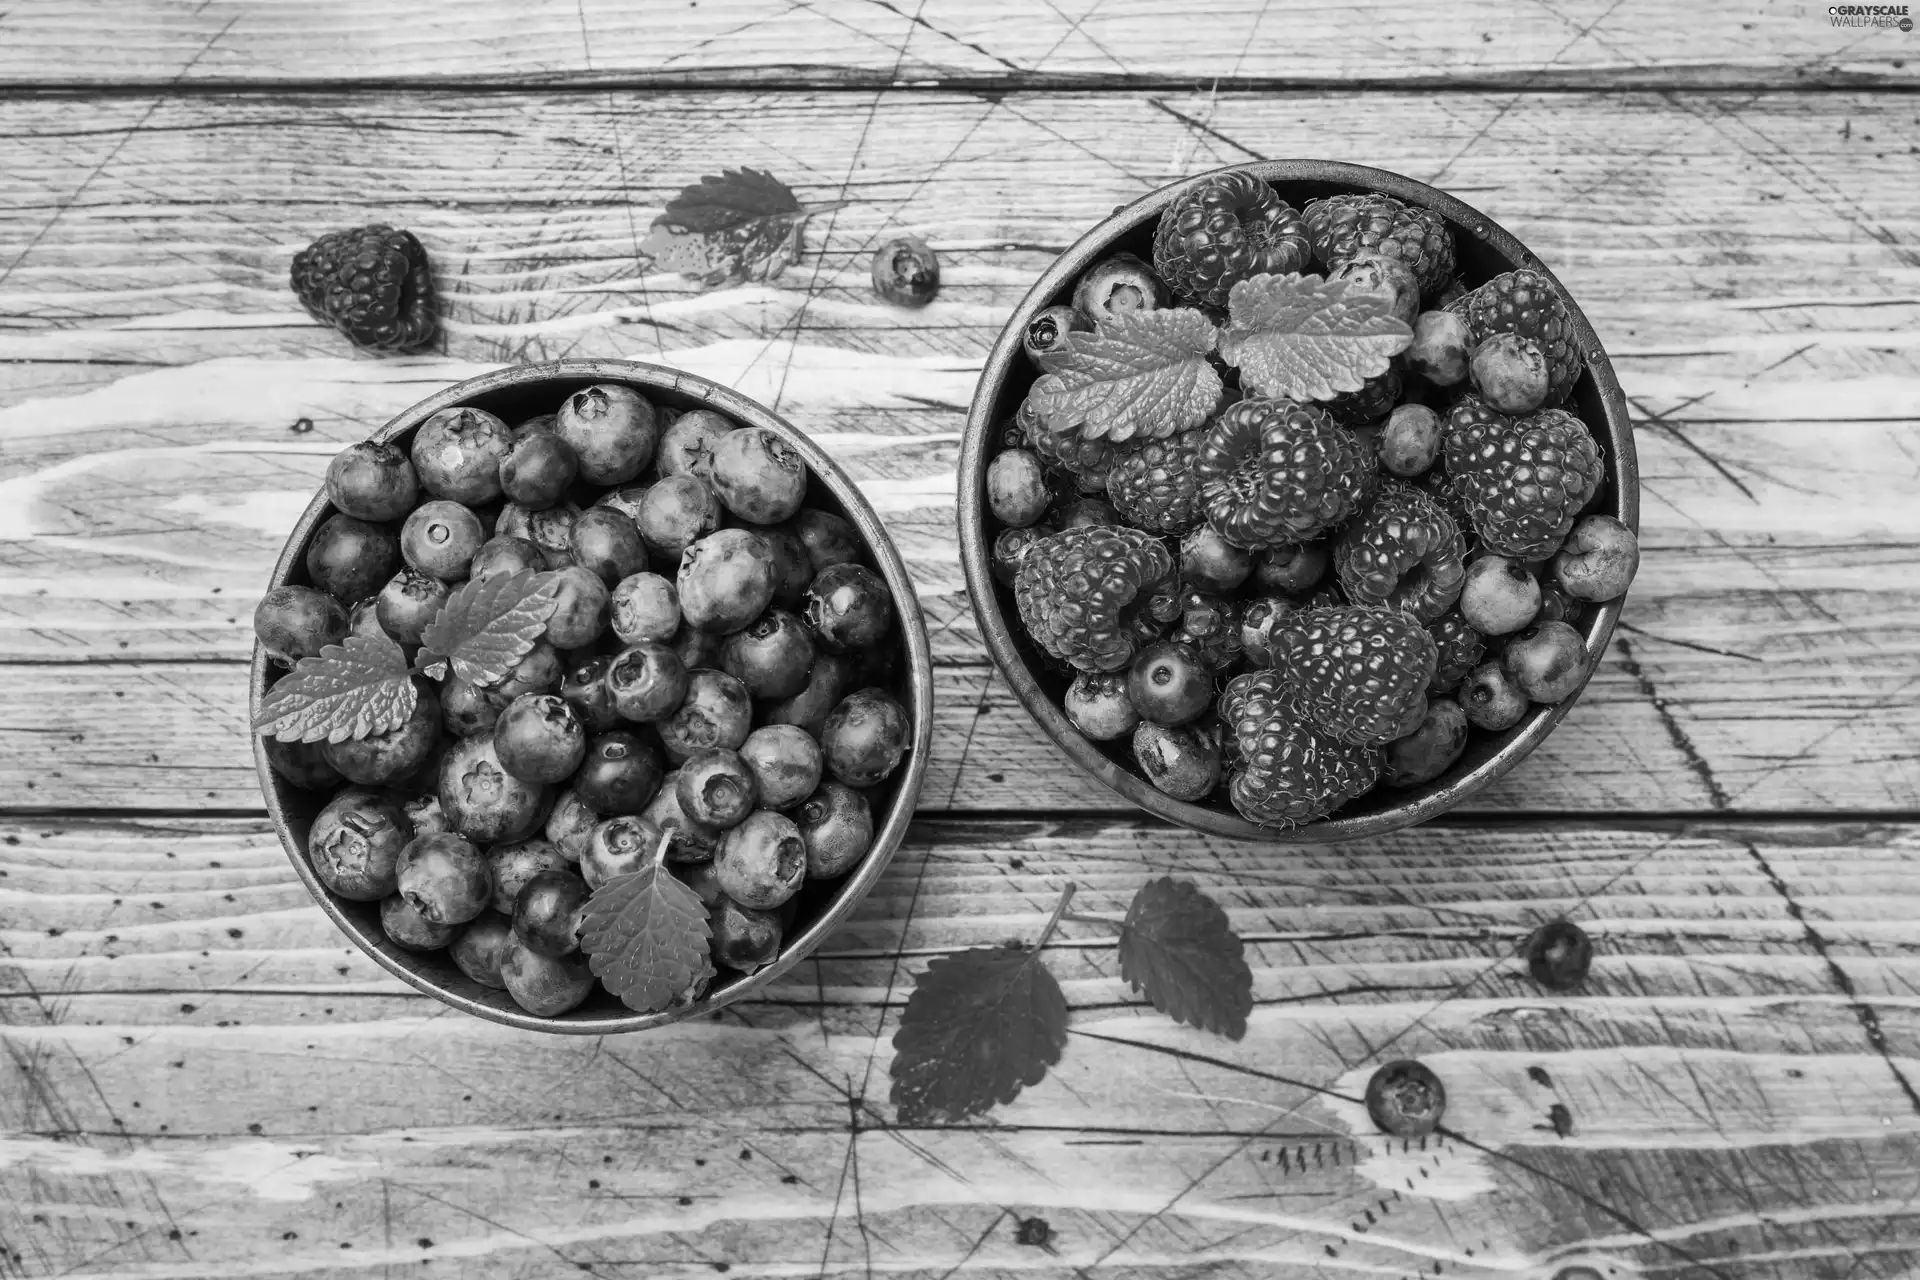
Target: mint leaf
<point>348,690</point>
<point>742,225</point>
<point>980,1026</point>
<point>1177,949</point>
<point>1144,373</point>
<point>646,937</point>
<point>1296,337</point>
<point>485,628</point>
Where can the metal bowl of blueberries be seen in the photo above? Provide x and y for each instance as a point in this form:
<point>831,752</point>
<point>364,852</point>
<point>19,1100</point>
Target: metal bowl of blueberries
<point>579,627</point>
<point>1298,502</point>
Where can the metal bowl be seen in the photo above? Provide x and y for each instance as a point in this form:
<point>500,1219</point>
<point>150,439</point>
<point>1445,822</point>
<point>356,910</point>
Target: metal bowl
<point>1485,249</point>
<point>519,393</point>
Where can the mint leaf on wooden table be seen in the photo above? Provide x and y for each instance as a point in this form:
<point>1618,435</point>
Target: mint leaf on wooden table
<point>980,1026</point>
<point>1297,337</point>
<point>742,225</point>
<point>646,936</point>
<point>1143,373</point>
<point>486,627</point>
<point>348,690</point>
<point>1178,950</point>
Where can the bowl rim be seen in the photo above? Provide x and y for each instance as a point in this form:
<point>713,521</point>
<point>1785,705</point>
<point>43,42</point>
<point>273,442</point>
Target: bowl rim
<point>1620,461</point>
<point>919,672</point>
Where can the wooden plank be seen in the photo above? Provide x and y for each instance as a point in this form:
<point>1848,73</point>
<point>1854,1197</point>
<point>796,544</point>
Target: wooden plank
<point>1724,1097</point>
<point>1743,265</point>
<point>1000,43</point>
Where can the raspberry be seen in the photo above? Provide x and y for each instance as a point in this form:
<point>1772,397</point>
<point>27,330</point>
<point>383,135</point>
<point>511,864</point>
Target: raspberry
<point>1460,649</point>
<point>1523,303</point>
<point>1288,771</point>
<point>1374,400</point>
<point>1522,481</point>
<point>1343,227</point>
<point>1272,471</point>
<point>1092,596</point>
<point>1087,461</point>
<point>1153,487</point>
<point>1361,672</point>
<point>1222,230</point>
<point>371,283</point>
<point>1403,550</point>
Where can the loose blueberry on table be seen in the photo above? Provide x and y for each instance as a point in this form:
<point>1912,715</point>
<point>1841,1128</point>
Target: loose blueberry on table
<point>1298,507</point>
<point>610,648</point>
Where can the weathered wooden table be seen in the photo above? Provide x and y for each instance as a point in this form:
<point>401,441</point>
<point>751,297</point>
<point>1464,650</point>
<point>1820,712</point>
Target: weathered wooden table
<point>203,1079</point>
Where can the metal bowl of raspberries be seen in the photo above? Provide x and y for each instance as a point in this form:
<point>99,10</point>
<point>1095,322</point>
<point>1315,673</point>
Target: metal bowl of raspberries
<point>589,696</point>
<point>1298,501</point>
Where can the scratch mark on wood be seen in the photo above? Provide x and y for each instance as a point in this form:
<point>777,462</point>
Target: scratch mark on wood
<point>1676,734</point>
<point>1201,126</point>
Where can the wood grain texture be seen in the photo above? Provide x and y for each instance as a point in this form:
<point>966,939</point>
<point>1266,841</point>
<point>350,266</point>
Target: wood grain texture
<point>1741,255</point>
<point>1065,43</point>
<point>1727,1096</point>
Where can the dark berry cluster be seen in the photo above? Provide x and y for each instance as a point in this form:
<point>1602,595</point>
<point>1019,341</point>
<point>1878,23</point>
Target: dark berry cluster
<point>1297,601</point>
<point>715,676</point>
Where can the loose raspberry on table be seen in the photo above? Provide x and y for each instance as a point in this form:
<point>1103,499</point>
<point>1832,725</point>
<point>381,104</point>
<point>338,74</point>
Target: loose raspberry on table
<point>1273,471</point>
<point>1345,226</point>
<point>1222,230</point>
<point>1522,481</point>
<point>372,283</point>
<point>1403,550</point>
<point>1524,303</point>
<point>1092,596</point>
<point>1287,770</point>
<point>1361,671</point>
<point>1459,648</point>
<point>1154,487</point>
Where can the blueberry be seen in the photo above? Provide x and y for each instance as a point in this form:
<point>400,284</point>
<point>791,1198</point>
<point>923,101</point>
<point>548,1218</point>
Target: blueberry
<point>1598,559</point>
<point>539,739</point>
<point>686,449</point>
<point>1546,662</point>
<point>836,825</point>
<point>772,657</point>
<point>1084,513</point>
<point>1183,762</point>
<point>408,929</point>
<point>441,539</point>
<point>482,801</point>
<point>364,620</point>
<point>457,454</point>
<point>1411,440</point>
<point>626,500</point>
<point>586,690</point>
<point>1168,684</point>
<point>792,568</point>
<point>355,842</point>
<point>1259,624</point>
<point>408,602</point>
<point>510,866</point>
<point>688,840</point>
<point>786,764</point>
<point>424,813</point>
<point>848,607</point>
<point>613,430</point>
<point>1499,595</point>
<point>1429,750</point>
<point>645,606</point>
<point>581,609</point>
<point>1097,704</point>
<point>1208,562</point>
<point>649,682</point>
<point>607,542</point>
<point>546,914</point>
<point>1490,698</point>
<point>621,774</point>
<point>1017,488</point>
<point>726,580</point>
<point>716,788</point>
<point>758,476</point>
<point>351,559</point>
<point>297,622</point>
<point>696,648</point>
<point>570,826</point>
<point>1559,955</point>
<point>304,764</point>
<point>699,877</point>
<point>619,846</point>
<point>744,940</point>
<point>761,862</point>
<point>717,712</point>
<point>504,555</point>
<point>1405,1099</point>
<point>550,529</point>
<point>541,423</point>
<point>481,947</point>
<point>832,677</point>
<point>538,469</point>
<point>540,670</point>
<point>545,986</point>
<point>444,878</point>
<point>906,272</point>
<point>1442,345</point>
<point>828,538</point>
<point>675,514</point>
<point>372,481</point>
<point>466,709</point>
<point>1047,332</point>
<point>380,758</point>
<point>865,737</point>
<point>1116,286</point>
